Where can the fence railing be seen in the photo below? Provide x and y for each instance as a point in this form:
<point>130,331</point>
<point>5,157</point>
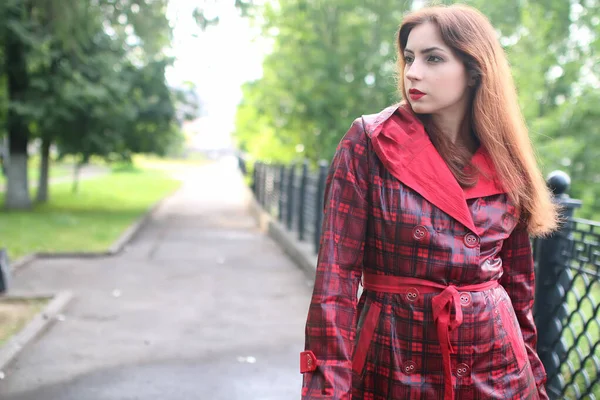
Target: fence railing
<point>567,309</point>
<point>567,304</point>
<point>294,195</point>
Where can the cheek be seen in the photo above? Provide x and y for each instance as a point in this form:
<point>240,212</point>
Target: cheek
<point>451,85</point>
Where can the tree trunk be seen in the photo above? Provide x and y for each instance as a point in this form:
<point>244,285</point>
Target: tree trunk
<point>76,170</point>
<point>42,190</point>
<point>17,188</point>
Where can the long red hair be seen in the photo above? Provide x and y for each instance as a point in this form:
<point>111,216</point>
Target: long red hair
<point>496,118</point>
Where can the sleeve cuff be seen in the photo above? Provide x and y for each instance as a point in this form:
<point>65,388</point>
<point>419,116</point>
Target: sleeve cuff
<point>308,362</point>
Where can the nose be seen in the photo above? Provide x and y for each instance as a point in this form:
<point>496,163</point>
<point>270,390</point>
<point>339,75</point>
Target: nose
<point>413,72</point>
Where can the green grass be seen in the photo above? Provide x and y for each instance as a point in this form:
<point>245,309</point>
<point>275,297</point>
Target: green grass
<point>90,220</point>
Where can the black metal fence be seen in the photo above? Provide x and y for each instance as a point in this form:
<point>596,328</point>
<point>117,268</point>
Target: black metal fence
<point>567,304</point>
<point>294,195</point>
<point>567,309</point>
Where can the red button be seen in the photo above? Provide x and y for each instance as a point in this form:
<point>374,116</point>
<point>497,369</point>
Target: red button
<point>420,232</point>
<point>465,298</point>
<point>412,294</point>
<point>409,367</point>
<point>471,240</point>
<point>462,370</point>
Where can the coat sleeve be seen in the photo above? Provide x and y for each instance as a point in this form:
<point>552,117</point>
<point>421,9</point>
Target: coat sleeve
<point>519,282</point>
<point>331,321</point>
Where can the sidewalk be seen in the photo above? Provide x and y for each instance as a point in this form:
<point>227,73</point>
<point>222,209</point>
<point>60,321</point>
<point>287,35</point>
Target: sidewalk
<point>202,305</point>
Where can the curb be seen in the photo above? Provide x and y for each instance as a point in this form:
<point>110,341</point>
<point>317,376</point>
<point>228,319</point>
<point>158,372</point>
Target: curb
<point>117,247</point>
<point>301,253</point>
<point>34,328</point>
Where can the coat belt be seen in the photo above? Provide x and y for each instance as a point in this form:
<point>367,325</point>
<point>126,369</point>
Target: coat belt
<point>447,299</point>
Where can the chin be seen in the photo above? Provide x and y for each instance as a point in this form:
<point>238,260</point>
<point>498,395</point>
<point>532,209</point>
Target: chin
<point>420,108</point>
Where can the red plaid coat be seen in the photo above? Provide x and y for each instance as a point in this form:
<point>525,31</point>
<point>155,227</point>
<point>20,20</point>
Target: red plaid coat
<point>394,213</point>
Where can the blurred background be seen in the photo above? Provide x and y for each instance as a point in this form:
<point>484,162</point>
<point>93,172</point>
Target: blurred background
<point>98,82</point>
<point>106,104</point>
<point>331,61</point>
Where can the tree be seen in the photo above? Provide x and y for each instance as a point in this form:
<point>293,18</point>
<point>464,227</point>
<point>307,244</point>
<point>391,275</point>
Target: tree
<point>334,60</point>
<point>142,113</point>
<point>212,8</point>
<point>15,64</point>
<point>67,63</point>
<point>123,33</point>
<point>331,61</point>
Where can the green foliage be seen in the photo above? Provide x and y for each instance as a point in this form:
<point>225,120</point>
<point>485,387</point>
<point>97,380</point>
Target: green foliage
<point>94,76</point>
<point>206,13</point>
<point>334,60</point>
<point>331,62</point>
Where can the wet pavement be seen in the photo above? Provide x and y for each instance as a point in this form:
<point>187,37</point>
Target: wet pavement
<point>201,305</point>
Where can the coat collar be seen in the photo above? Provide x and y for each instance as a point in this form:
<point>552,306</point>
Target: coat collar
<point>401,143</point>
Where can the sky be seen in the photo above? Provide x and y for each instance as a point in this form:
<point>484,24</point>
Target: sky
<point>218,61</point>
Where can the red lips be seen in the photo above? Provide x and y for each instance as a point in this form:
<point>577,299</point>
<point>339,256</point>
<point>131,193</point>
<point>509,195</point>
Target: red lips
<point>415,94</point>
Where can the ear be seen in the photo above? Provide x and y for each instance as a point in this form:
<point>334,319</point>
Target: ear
<point>473,79</point>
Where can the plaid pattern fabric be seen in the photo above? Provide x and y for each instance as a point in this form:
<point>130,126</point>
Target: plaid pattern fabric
<point>385,345</point>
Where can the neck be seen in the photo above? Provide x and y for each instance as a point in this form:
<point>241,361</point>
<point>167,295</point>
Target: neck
<point>458,129</point>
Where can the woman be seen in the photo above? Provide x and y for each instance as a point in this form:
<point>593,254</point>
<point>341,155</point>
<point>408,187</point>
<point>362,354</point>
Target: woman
<point>431,202</point>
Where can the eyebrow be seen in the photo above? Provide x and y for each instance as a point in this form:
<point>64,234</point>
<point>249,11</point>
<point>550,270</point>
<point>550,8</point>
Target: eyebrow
<point>425,51</point>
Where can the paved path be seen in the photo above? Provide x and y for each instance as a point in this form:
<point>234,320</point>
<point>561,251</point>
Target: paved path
<point>201,306</point>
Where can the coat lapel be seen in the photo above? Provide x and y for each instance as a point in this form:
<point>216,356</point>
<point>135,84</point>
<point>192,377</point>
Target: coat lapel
<point>401,143</point>
<point>488,183</point>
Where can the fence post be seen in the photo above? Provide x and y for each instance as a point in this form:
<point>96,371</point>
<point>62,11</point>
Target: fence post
<point>242,164</point>
<point>319,199</point>
<point>301,204</point>
<point>267,188</point>
<point>254,179</point>
<point>553,280</point>
<point>281,191</point>
<point>263,185</point>
<point>290,197</point>
<point>260,184</point>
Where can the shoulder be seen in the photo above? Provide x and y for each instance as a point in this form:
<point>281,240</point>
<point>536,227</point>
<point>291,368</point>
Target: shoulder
<point>372,121</point>
<point>363,126</point>
<point>355,142</point>
<point>355,136</point>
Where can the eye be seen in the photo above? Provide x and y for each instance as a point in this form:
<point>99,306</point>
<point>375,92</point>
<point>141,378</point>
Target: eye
<point>435,59</point>
<point>408,59</point>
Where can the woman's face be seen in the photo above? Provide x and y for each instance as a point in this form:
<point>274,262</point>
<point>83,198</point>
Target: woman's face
<point>435,80</point>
